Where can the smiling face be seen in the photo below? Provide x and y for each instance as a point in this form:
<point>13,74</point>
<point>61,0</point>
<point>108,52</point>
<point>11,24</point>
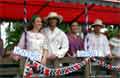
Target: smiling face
<point>53,22</point>
<point>37,23</point>
<point>74,28</point>
<point>97,28</point>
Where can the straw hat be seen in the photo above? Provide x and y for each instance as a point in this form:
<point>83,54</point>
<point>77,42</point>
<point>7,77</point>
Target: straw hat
<point>98,22</point>
<point>54,15</point>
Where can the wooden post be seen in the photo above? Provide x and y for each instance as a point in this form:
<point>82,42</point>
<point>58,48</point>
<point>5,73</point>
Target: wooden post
<point>87,71</point>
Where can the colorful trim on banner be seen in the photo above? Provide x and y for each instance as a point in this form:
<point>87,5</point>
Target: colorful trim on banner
<point>107,66</point>
<point>34,67</point>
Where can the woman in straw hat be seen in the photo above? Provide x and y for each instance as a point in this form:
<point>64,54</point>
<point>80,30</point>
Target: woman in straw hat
<point>57,39</point>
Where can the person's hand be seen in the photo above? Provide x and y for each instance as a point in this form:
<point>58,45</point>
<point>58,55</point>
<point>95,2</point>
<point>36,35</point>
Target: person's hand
<point>43,61</point>
<point>51,56</point>
<point>15,57</point>
<point>87,60</point>
<point>110,56</point>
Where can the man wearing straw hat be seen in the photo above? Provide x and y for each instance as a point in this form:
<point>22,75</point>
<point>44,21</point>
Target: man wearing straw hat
<point>97,41</point>
<point>57,40</point>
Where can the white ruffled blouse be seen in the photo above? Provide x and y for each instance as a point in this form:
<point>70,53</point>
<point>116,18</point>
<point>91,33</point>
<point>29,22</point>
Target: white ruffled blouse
<point>35,42</point>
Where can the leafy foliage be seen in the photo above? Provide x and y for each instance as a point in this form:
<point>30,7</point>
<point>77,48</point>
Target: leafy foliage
<point>112,31</point>
<point>13,35</point>
<point>64,27</point>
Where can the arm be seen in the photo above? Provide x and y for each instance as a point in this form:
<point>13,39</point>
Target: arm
<point>64,47</point>
<point>112,46</point>
<point>114,43</point>
<point>21,45</point>
<point>107,47</point>
<point>21,41</point>
<point>45,52</point>
<point>44,58</point>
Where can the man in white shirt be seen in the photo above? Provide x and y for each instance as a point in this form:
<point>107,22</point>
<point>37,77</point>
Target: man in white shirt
<point>97,41</point>
<point>57,40</point>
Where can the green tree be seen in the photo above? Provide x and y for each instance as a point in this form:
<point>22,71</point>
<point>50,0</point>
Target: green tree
<point>64,27</point>
<point>112,31</point>
<point>13,34</point>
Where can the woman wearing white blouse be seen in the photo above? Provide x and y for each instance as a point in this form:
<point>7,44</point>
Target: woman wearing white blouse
<point>35,40</point>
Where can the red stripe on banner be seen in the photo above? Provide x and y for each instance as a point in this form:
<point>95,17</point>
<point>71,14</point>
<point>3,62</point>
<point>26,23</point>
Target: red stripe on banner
<point>27,64</point>
<point>31,73</point>
<point>47,71</point>
<point>36,65</point>
<point>118,68</point>
<point>110,66</point>
<point>67,71</point>
<point>76,66</point>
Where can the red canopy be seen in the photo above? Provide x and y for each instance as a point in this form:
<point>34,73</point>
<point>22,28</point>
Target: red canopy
<point>14,10</point>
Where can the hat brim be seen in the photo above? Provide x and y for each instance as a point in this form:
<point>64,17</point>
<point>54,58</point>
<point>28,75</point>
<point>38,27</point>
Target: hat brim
<point>60,18</point>
<point>93,25</point>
